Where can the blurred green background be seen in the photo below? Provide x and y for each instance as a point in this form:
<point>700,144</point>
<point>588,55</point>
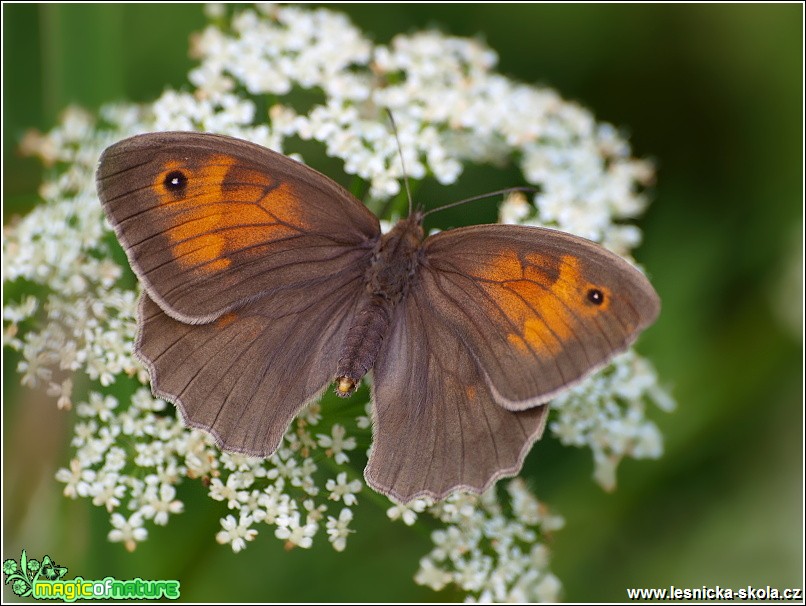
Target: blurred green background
<point>713,94</point>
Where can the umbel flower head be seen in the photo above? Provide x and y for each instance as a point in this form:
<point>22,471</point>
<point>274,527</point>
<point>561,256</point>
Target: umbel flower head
<point>451,107</point>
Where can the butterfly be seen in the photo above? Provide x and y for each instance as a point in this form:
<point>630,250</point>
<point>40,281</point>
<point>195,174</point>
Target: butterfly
<point>264,282</point>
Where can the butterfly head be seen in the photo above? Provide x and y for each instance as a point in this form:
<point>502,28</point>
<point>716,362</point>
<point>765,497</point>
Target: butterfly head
<point>409,229</point>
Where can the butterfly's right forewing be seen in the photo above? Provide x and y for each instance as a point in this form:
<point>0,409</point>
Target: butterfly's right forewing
<point>539,309</point>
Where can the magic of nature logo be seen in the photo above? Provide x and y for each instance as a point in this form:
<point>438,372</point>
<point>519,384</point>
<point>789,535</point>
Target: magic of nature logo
<point>44,580</point>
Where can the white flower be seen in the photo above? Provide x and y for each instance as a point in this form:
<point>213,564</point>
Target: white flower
<point>449,543</point>
<point>365,421</point>
<point>491,555</point>
<point>99,405</point>
<point>150,453</point>
<point>431,575</point>
<point>284,465</point>
<point>407,512</point>
<point>315,512</point>
<point>294,533</point>
<point>336,443</point>
<point>77,479</point>
<point>63,392</point>
<point>607,412</point>
<point>128,531</point>
<point>275,503</point>
<point>214,10</point>
<point>548,589</point>
<point>337,529</point>
<point>35,367</point>
<point>311,415</point>
<point>143,400</point>
<point>228,492</point>
<point>106,491</point>
<point>341,489</point>
<point>83,432</point>
<point>236,532</point>
<point>514,209</point>
<point>472,573</point>
<point>158,506</point>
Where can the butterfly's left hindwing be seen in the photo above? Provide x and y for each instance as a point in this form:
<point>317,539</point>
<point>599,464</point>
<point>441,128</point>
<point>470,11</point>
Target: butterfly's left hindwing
<point>245,376</point>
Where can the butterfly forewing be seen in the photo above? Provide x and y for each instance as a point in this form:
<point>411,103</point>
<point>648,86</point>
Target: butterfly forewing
<point>210,222</point>
<point>538,308</point>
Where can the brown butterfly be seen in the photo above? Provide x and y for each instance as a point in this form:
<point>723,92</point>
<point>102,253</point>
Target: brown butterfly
<point>265,281</point>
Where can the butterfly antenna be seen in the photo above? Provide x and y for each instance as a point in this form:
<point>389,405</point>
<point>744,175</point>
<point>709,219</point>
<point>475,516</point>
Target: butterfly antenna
<point>499,192</point>
<point>402,162</point>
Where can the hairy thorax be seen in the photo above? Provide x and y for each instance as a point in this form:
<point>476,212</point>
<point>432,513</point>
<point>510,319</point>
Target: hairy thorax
<point>389,276</point>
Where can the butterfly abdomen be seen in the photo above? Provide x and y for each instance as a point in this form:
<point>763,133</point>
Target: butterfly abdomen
<point>389,276</point>
<point>362,343</point>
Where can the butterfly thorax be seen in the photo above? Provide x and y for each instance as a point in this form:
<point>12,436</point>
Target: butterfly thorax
<point>390,274</point>
<point>394,260</point>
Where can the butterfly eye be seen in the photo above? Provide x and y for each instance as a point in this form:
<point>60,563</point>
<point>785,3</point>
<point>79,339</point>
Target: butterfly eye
<point>175,181</point>
<point>595,296</point>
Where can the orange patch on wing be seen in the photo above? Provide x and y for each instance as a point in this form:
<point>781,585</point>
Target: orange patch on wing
<point>226,320</point>
<point>542,298</point>
<point>517,342</point>
<point>223,209</point>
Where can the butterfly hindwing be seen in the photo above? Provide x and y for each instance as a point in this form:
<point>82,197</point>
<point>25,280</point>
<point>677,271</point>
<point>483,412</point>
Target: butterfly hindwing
<point>245,376</point>
<point>437,427</point>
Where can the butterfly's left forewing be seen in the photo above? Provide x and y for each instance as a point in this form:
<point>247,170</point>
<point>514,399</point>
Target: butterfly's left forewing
<point>538,308</point>
<point>210,223</point>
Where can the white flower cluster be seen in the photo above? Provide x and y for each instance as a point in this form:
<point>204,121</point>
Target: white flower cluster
<point>132,457</point>
<point>607,413</point>
<point>89,320</point>
<point>490,552</point>
<point>450,106</point>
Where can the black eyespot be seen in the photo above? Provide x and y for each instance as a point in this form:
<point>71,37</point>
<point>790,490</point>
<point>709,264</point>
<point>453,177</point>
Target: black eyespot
<point>595,296</point>
<point>175,181</point>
